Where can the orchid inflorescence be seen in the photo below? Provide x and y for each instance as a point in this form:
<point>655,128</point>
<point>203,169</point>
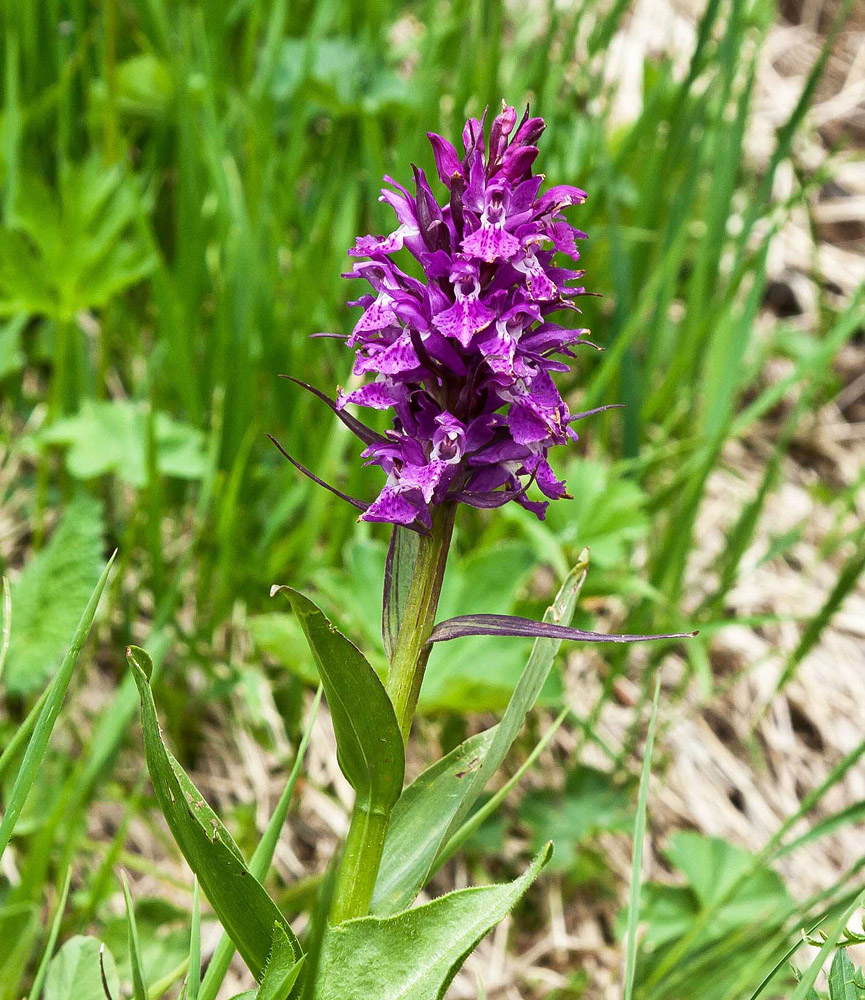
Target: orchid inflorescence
<point>464,357</point>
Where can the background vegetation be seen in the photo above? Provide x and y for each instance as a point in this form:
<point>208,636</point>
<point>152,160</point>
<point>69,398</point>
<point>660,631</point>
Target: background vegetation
<point>180,182</point>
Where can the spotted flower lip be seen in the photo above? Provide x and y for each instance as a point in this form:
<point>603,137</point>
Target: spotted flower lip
<point>463,357</point>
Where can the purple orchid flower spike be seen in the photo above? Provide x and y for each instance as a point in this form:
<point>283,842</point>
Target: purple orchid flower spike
<point>463,359</point>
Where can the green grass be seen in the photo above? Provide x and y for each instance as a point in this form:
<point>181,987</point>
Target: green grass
<point>179,183</point>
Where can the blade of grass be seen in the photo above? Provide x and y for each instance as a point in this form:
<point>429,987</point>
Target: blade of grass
<point>39,978</point>
<point>193,979</point>
<point>48,717</point>
<point>637,857</point>
<point>139,990</point>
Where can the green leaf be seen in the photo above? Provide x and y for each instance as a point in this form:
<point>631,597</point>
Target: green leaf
<point>635,890</point>
<point>75,248</point>
<point>48,595</point>
<point>139,990</point>
<point>38,743</point>
<point>283,968</point>
<point>841,975</point>
<point>261,859</point>
<point>589,803</point>
<point>414,955</point>
<point>111,437</point>
<point>74,973</point>
<point>193,977</point>
<point>369,743</point>
<point>11,356</point>
<point>712,867</point>
<point>39,978</point>
<point>421,820</point>
<point>439,800</point>
<point>241,903</point>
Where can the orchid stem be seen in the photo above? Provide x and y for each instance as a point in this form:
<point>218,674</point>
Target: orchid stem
<point>412,652</point>
<point>361,858</point>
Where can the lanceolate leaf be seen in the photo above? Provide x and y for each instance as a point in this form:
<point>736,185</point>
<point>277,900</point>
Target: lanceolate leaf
<point>414,955</point>
<point>398,569</point>
<point>282,970</point>
<point>842,974</point>
<point>243,906</point>
<point>369,743</point>
<point>435,805</point>
<point>420,821</point>
<point>463,625</point>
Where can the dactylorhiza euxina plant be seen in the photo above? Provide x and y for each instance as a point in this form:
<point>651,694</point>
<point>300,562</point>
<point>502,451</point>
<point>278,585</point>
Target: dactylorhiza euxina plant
<point>463,359</point>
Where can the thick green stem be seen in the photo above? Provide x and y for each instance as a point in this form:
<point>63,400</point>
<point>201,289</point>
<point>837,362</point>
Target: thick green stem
<point>411,653</point>
<point>359,866</point>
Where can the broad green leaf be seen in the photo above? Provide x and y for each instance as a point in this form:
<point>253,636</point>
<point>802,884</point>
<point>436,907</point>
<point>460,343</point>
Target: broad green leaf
<point>414,955</point>
<point>420,822</point>
<point>73,248</point>
<point>712,868</point>
<point>369,744</point>
<point>589,803</point>
<point>418,832</point>
<point>48,595</point>
<point>74,972</point>
<point>841,975</point>
<point>283,968</point>
<point>261,859</point>
<point>111,437</point>
<point>243,906</point>
<point>38,742</point>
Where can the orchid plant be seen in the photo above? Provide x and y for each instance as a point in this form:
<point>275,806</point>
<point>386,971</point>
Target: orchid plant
<point>463,360</point>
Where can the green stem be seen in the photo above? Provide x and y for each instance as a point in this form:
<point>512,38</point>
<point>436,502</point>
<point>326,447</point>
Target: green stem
<point>360,862</point>
<point>411,653</point>
<point>361,858</point>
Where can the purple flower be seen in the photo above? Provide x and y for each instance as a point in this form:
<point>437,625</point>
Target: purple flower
<point>463,358</point>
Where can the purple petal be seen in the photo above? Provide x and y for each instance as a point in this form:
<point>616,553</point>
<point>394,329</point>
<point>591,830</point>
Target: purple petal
<point>396,507</point>
<point>561,196</point>
<point>464,319</point>
<point>447,161</point>
<point>377,395</point>
<point>491,243</point>
<point>463,625</point>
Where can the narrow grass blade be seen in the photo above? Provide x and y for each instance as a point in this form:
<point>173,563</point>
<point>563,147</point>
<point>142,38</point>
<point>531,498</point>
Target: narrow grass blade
<point>193,978</point>
<point>48,716</point>
<point>807,981</point>
<point>6,634</point>
<point>847,579</point>
<point>139,990</point>
<point>637,857</point>
<point>39,978</point>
